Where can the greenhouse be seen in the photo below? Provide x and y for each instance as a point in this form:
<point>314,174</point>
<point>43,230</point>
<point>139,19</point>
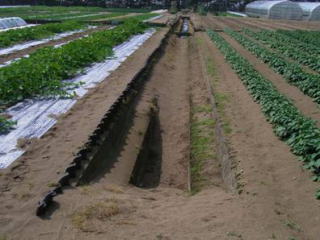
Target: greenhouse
<point>311,10</point>
<point>11,22</point>
<point>274,10</point>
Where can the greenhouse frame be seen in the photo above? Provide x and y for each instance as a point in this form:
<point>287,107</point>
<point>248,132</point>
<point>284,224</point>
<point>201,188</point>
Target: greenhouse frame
<point>275,10</point>
<point>311,10</point>
<point>11,22</point>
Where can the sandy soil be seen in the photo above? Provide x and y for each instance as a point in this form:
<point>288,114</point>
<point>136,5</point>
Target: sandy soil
<point>18,54</point>
<point>274,198</point>
<point>169,82</point>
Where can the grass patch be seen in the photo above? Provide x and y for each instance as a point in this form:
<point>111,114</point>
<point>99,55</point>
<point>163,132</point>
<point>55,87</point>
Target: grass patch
<point>52,184</point>
<point>100,211</point>
<point>202,140</point>
<point>226,14</point>
<point>199,41</point>
<point>202,108</point>
<point>220,98</point>
<point>211,69</point>
<point>234,234</point>
<point>3,237</point>
<point>113,188</point>
<point>290,224</point>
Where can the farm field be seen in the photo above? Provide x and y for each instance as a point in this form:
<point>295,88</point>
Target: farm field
<point>143,131</point>
<point>65,13</point>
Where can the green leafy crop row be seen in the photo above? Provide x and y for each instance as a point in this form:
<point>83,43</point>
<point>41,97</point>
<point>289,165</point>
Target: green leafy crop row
<point>298,131</point>
<point>5,125</point>
<point>44,12</point>
<point>80,16</point>
<point>15,36</point>
<point>41,74</point>
<point>138,17</point>
<point>310,37</point>
<point>308,83</point>
<point>104,16</point>
<point>303,53</point>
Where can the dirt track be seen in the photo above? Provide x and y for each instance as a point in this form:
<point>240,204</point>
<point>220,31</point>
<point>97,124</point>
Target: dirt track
<point>274,196</point>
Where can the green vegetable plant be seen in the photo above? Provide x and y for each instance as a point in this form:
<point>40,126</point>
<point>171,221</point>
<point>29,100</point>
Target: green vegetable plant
<point>43,72</point>
<point>309,37</point>
<point>14,36</point>
<point>84,17</point>
<point>308,83</point>
<point>303,53</point>
<point>5,125</point>
<point>289,124</point>
<point>138,17</point>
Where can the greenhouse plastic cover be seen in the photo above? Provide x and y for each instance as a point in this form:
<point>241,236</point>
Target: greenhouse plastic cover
<point>15,6</point>
<point>33,116</point>
<point>11,22</point>
<point>25,45</point>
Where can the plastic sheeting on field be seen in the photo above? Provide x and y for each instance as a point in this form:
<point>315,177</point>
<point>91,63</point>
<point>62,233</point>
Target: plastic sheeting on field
<point>153,18</point>
<point>160,11</point>
<point>34,117</point>
<point>25,26</point>
<point>279,9</point>
<point>238,13</point>
<point>311,10</point>
<point>25,45</point>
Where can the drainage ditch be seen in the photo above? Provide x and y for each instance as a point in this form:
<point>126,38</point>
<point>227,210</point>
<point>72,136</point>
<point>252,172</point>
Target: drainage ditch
<point>100,153</point>
<point>147,170</point>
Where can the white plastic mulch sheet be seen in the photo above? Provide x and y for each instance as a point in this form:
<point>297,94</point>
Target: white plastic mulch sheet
<point>238,13</point>
<point>25,26</point>
<point>81,16</point>
<point>153,18</point>
<point>25,45</point>
<point>160,11</point>
<point>34,117</point>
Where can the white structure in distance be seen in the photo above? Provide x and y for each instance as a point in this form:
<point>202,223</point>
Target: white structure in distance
<point>311,10</point>
<point>11,22</point>
<point>280,9</point>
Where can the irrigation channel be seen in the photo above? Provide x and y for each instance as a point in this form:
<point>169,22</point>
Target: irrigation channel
<point>133,142</point>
